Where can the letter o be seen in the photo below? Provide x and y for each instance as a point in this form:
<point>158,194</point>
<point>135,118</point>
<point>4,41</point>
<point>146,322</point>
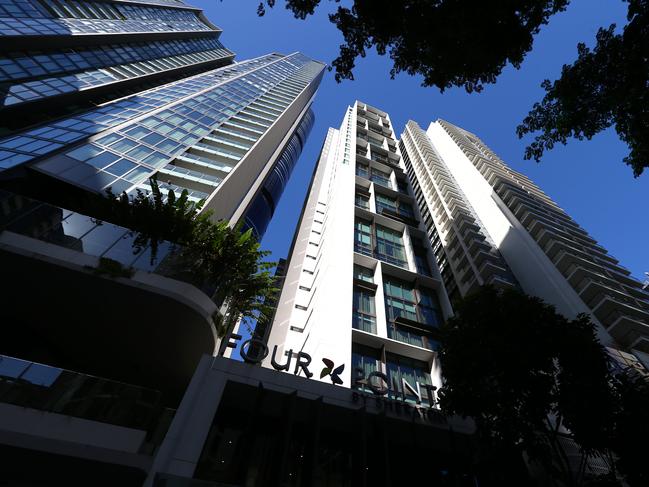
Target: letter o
<point>248,358</point>
<point>379,391</point>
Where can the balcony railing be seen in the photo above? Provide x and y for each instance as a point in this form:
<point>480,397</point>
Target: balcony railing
<point>82,233</point>
<point>380,180</point>
<point>380,158</point>
<point>411,337</point>
<point>45,388</point>
<point>398,211</point>
<point>363,249</point>
<point>364,322</point>
<point>390,259</point>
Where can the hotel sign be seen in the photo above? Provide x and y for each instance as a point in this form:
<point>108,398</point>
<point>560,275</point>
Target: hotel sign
<point>389,394</point>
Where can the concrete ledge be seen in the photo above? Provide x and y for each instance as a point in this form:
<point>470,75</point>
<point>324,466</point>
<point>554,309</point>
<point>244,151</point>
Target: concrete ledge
<point>65,435</point>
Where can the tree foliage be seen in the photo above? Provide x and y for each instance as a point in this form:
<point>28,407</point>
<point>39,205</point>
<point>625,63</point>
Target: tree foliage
<point>220,259</point>
<point>605,86</point>
<point>448,42</point>
<point>521,371</point>
<point>632,428</point>
<point>154,216</point>
<point>467,43</point>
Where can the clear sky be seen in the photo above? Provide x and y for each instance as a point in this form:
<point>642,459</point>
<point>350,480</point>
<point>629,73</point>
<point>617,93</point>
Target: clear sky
<point>586,178</point>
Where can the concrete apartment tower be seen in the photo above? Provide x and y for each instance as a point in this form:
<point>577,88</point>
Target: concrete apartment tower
<point>346,393</point>
<point>107,94</point>
<point>490,224</point>
<point>362,288</point>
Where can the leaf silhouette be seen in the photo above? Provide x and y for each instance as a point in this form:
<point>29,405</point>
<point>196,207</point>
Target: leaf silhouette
<point>328,363</point>
<point>338,370</point>
<point>325,371</point>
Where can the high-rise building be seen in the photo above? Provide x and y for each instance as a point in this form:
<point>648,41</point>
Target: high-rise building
<point>491,224</point>
<point>62,55</point>
<point>226,136</point>
<point>101,340</point>
<point>362,287</point>
<point>346,394</point>
<point>389,235</point>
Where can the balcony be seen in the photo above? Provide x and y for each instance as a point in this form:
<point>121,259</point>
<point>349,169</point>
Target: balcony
<point>54,390</point>
<point>380,158</point>
<point>629,331</point>
<point>383,256</point>
<point>399,214</point>
<point>363,249</point>
<point>363,323</point>
<point>77,282</point>
<point>381,180</point>
<point>609,308</point>
<point>406,333</point>
<point>63,422</point>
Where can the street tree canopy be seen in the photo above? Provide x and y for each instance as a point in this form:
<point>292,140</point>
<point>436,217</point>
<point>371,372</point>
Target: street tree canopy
<point>467,43</point>
<point>523,372</point>
<point>448,42</point>
<point>605,86</point>
<point>528,375</point>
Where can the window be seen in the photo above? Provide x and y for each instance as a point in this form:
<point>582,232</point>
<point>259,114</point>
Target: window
<point>363,237</point>
<point>379,157</point>
<point>421,262</point>
<point>385,202</point>
<point>419,307</point>
<point>393,205</point>
<point>402,186</point>
<point>429,308</point>
<point>362,170</point>
<point>373,174</point>
<point>380,177</point>
<point>363,273</point>
<point>365,358</point>
<point>362,200</point>
<point>400,300</point>
<point>389,246</point>
<point>411,370</point>
<point>405,209</point>
<point>364,312</point>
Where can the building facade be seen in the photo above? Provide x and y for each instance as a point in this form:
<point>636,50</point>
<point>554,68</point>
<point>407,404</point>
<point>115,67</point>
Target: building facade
<point>494,225</point>
<point>245,425</point>
<point>61,55</point>
<point>467,256</point>
<point>105,95</point>
<point>225,136</point>
<point>362,288</point>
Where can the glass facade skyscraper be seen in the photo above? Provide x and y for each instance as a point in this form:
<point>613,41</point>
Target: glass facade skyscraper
<point>102,338</point>
<point>190,133</point>
<point>202,119</point>
<point>61,52</point>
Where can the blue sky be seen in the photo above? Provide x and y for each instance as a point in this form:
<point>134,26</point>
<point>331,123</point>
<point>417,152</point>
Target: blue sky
<point>586,178</point>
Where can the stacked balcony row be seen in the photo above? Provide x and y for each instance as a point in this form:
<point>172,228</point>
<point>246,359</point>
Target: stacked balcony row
<point>608,290</point>
<point>461,245</point>
<point>392,259</point>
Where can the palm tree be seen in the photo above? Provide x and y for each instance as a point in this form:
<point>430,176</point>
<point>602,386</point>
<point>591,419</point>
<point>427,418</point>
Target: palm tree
<point>220,259</point>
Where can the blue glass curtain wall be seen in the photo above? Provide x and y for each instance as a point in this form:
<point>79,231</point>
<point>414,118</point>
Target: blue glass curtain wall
<point>263,207</point>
